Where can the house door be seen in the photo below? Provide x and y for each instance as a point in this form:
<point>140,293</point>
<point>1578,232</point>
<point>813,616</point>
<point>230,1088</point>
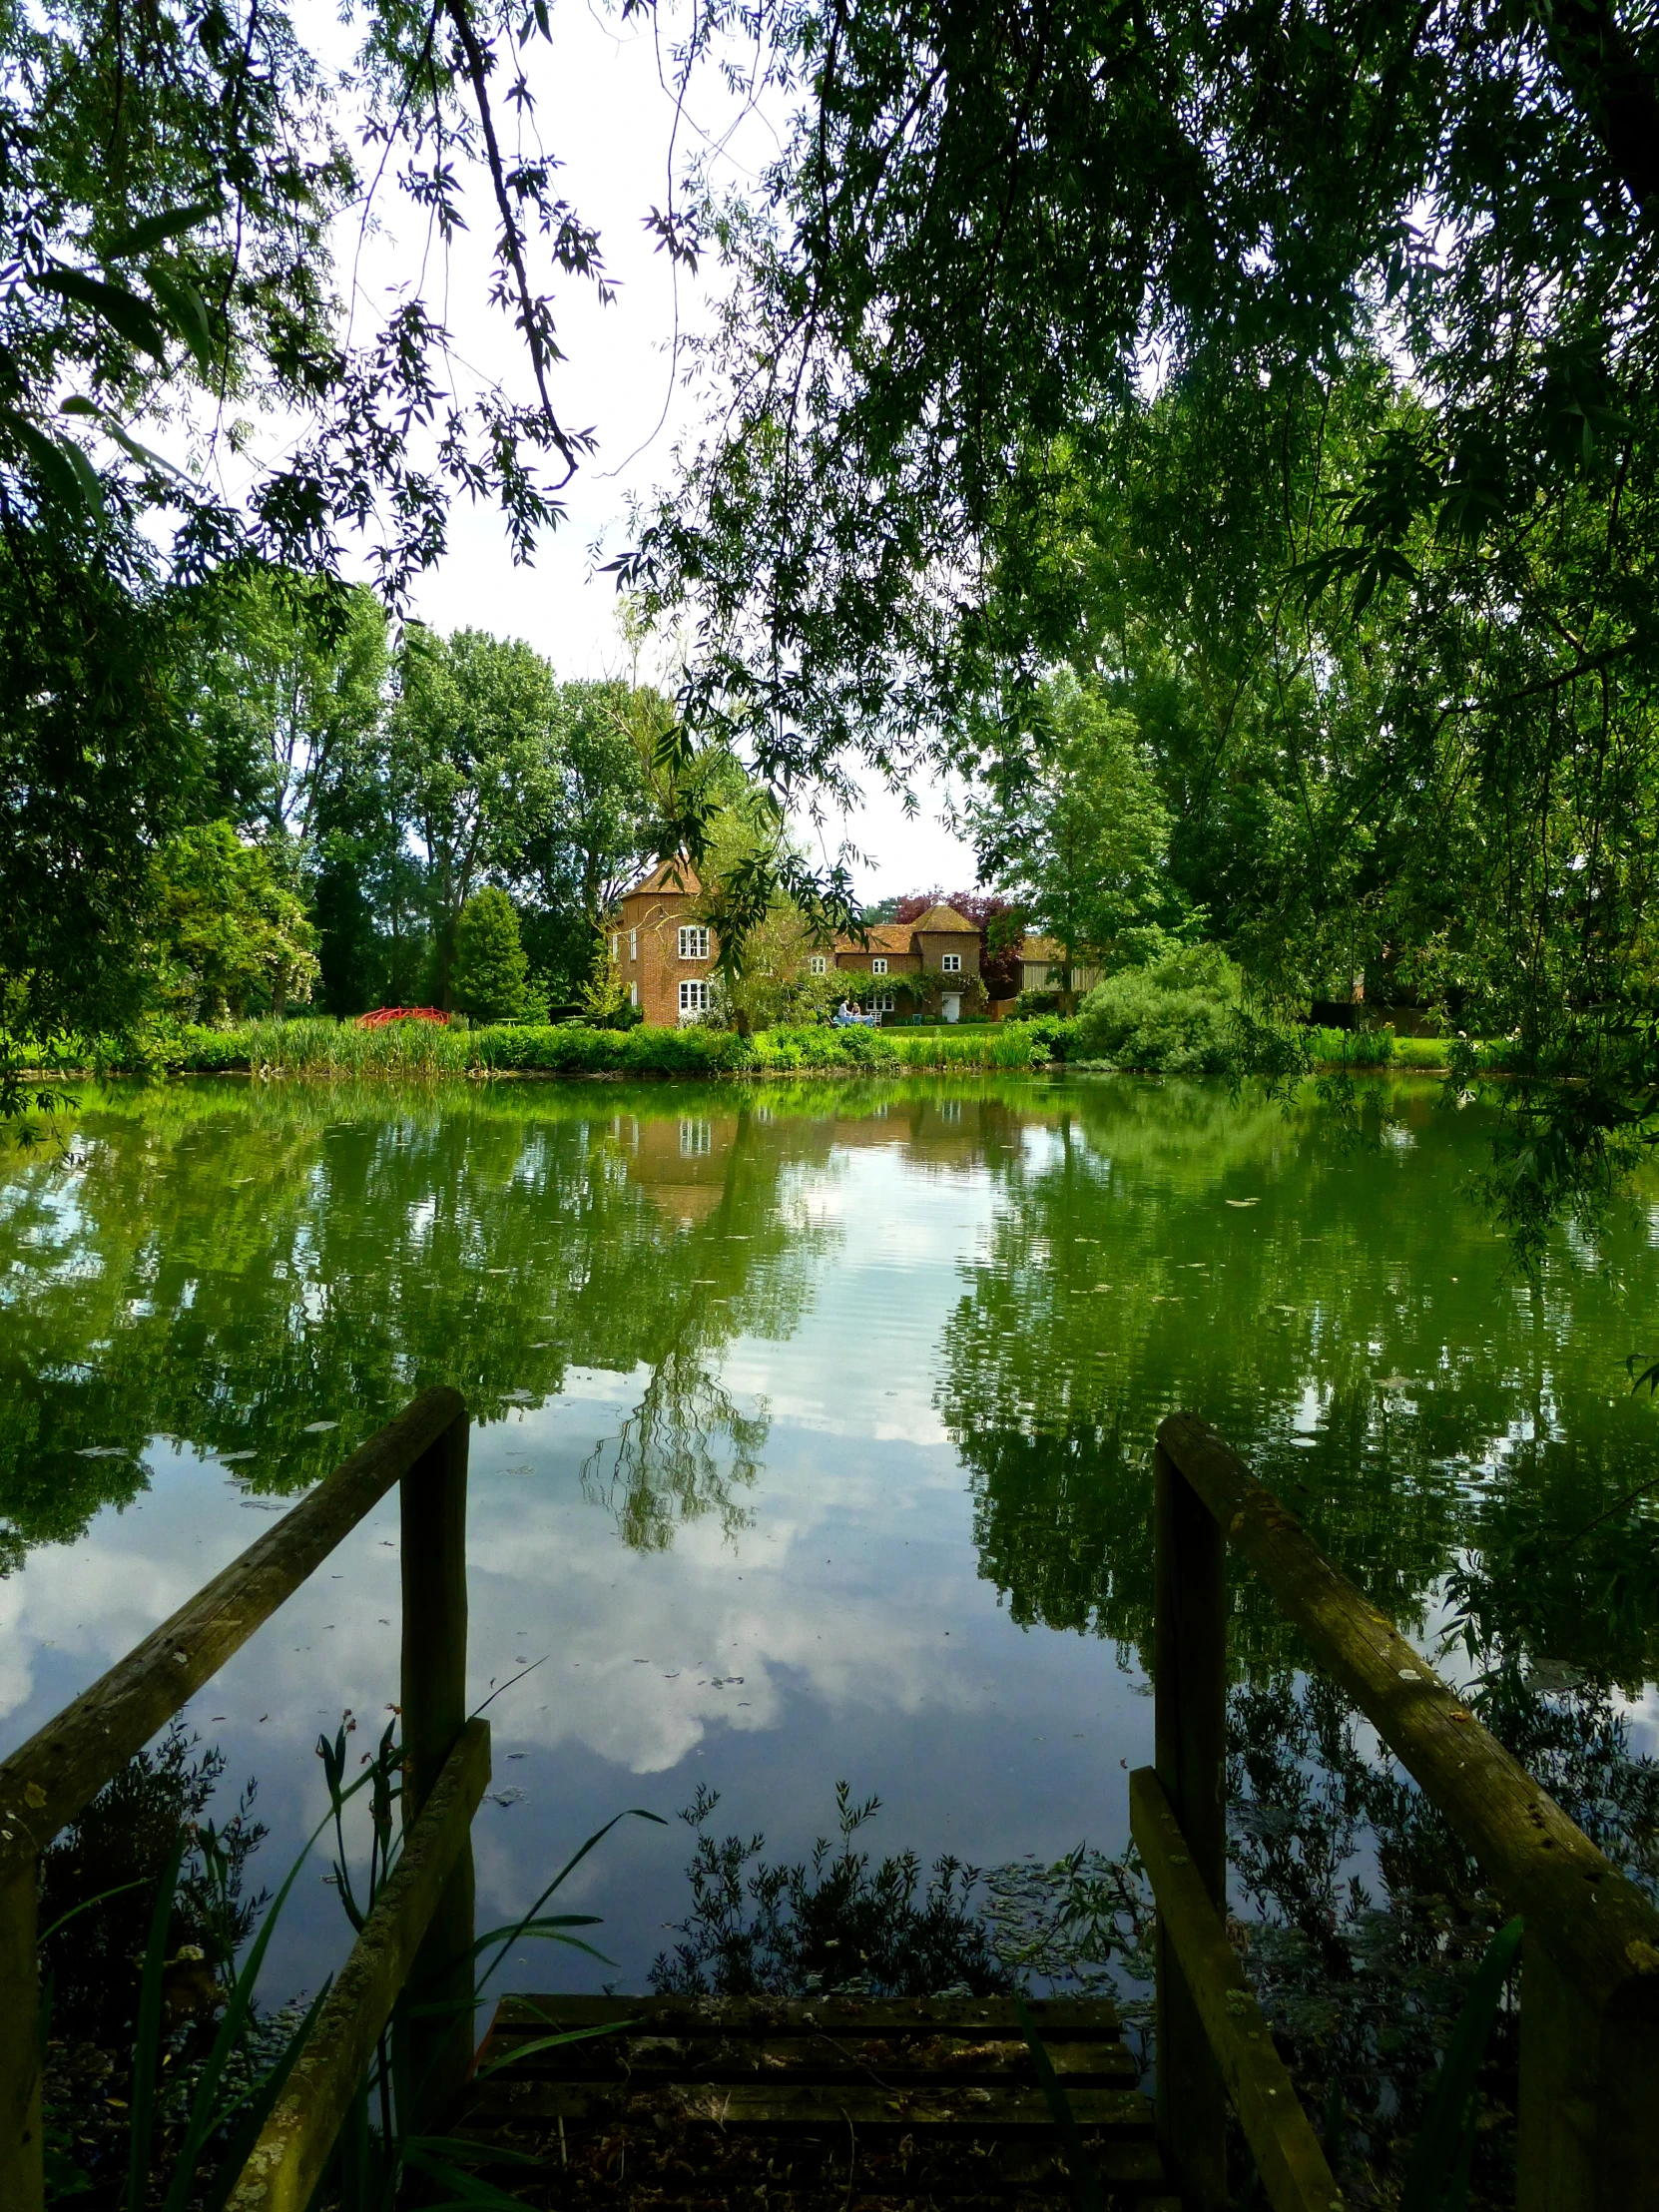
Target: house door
<point>952,1005</point>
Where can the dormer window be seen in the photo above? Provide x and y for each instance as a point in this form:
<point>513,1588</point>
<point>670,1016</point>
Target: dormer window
<point>694,942</point>
<point>879,967</point>
<point>952,963</point>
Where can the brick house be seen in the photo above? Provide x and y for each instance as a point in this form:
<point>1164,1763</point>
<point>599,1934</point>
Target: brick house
<point>663,955</point>
<point>940,942</point>
<point>666,956</point>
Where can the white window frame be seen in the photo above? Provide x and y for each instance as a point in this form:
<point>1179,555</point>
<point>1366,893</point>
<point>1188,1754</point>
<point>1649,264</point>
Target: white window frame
<point>879,967</point>
<point>881,1003</point>
<point>694,941</point>
<point>694,996</point>
<point>819,964</point>
<point>697,1139</point>
<point>616,945</point>
<point>633,994</point>
<point>952,964</point>
<point>633,944</point>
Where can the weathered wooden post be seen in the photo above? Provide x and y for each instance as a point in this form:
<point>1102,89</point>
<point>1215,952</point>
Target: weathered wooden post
<point>22,2168</point>
<point>1589,2070</point>
<point>433,1540</point>
<point>1190,1677</point>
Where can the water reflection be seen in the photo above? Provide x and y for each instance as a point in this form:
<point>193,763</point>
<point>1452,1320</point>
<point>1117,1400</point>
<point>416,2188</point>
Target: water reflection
<point>814,1423</point>
<point>1338,1308</point>
<point>262,1273</point>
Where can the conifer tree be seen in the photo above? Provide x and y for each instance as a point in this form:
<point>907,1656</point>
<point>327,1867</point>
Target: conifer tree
<point>488,978</point>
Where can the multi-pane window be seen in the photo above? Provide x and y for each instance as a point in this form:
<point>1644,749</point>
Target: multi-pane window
<point>694,997</point>
<point>952,963</point>
<point>633,944</point>
<point>616,944</point>
<point>883,1002</point>
<point>694,942</point>
<point>697,1138</point>
<point>879,967</point>
<point>633,994</point>
<point>819,964</point>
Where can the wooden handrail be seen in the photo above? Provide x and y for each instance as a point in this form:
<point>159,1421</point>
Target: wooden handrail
<point>61,1768</point>
<point>1576,1902</point>
<point>1294,2171</point>
<point>56,1775</point>
<point>1590,1979</point>
<point>287,2163</point>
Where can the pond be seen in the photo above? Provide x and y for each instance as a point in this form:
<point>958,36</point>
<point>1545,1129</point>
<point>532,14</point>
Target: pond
<point>811,1430</point>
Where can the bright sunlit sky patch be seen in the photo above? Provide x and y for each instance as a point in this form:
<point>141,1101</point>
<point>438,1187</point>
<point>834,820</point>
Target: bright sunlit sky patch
<point>603,106</point>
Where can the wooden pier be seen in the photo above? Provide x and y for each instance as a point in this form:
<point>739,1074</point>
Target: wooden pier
<point>828,2105</point>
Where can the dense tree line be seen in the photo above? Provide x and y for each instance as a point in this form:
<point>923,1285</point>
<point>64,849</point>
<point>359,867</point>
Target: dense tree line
<point>378,822</point>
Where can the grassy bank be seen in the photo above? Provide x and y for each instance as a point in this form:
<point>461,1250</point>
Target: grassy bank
<point>1380,1048</point>
<point>416,1050</point>
<point>404,1049</point>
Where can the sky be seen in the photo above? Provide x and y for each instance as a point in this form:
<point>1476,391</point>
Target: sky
<point>603,107</point>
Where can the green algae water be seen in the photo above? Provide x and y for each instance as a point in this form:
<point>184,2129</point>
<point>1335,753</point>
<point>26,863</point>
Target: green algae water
<point>812,1429</point>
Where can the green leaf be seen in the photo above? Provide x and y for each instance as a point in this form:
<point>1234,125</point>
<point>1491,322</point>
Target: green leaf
<point>551,2042</point>
<point>172,223</point>
<point>188,313</point>
<point>75,1911</point>
<point>1437,2178</point>
<point>263,2103</point>
<point>63,468</point>
<point>122,310</point>
<point>147,2043</point>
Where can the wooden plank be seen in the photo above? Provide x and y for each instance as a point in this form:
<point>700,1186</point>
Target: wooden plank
<point>432,1531</point>
<point>743,2104</point>
<point>58,1772</point>
<point>1025,2160</point>
<point>1295,2175</point>
<point>22,2145</point>
<point>779,2058</point>
<point>1190,1681</point>
<point>287,2163</point>
<point>1073,2018</point>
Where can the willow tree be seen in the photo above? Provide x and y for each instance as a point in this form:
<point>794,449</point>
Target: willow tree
<point>997,237</point>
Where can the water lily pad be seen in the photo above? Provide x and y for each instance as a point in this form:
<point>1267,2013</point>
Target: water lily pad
<point>319,1427</point>
<point>1243,1202</point>
<point>104,1452</point>
<point>230,1458</point>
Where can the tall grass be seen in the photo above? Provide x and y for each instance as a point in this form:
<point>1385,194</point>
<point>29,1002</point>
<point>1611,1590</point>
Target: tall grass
<point>416,1050</point>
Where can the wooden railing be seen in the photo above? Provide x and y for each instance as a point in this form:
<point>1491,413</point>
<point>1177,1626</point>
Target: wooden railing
<point>1589,2071</point>
<point>420,1932</point>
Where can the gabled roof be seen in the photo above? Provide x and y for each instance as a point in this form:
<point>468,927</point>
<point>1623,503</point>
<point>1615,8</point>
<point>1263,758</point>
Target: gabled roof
<point>1041,948</point>
<point>880,936</point>
<point>668,875</point>
<point>942,922</point>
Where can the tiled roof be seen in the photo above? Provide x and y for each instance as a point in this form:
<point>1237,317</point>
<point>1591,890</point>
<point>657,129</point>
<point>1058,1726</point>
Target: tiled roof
<point>1042,948</point>
<point>941,920</point>
<point>882,936</point>
<point>668,875</point>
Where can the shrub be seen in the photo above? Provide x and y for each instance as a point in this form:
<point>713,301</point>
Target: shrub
<point>1177,1016</point>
